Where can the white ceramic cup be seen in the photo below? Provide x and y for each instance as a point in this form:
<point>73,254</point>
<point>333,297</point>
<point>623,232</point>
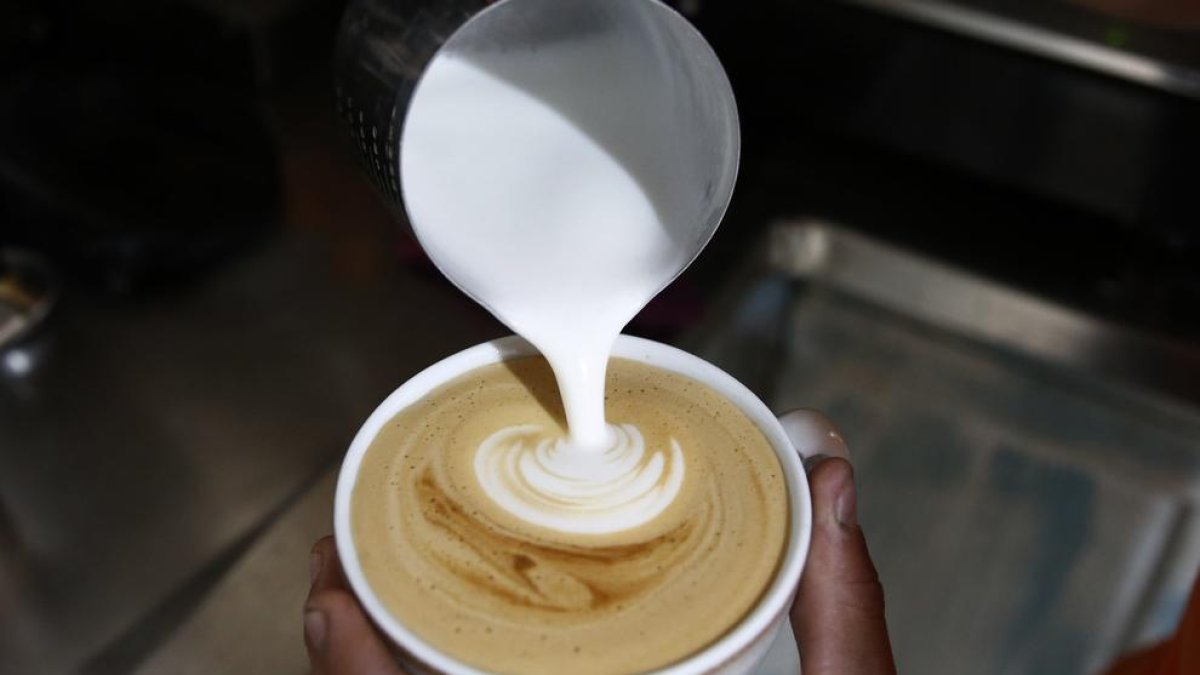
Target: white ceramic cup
<point>739,649</point>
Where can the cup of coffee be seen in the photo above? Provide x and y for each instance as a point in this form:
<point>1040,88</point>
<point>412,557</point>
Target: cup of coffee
<point>686,562</point>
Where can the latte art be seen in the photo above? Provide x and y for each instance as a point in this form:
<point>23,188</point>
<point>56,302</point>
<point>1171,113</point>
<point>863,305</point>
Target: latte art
<point>495,541</point>
<point>547,482</point>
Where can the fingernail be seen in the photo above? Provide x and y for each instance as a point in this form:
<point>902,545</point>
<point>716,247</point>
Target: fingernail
<point>845,506</point>
<point>315,563</point>
<point>315,628</point>
<point>811,463</point>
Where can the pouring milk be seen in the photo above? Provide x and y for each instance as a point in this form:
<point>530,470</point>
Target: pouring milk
<point>558,188</point>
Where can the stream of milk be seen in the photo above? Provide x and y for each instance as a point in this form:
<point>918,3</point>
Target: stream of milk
<point>539,194</point>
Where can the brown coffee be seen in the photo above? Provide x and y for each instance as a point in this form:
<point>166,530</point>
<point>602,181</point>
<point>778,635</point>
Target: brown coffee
<point>490,590</point>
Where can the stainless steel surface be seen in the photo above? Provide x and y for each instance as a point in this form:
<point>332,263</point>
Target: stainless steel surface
<point>991,27</point>
<point>158,434</point>
<point>1029,510</point>
<point>983,310</point>
<point>385,45</point>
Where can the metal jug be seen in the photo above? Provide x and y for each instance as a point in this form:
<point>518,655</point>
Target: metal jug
<point>385,46</point>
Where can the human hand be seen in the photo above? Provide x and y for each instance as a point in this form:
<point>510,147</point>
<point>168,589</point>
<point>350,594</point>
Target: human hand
<point>838,616</point>
<point>339,637</point>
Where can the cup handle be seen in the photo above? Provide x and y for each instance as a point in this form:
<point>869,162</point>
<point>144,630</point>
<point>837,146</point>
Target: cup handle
<point>813,435</point>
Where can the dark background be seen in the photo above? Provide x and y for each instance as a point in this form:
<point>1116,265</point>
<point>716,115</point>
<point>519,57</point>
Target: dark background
<point>233,298</point>
<point>142,141</point>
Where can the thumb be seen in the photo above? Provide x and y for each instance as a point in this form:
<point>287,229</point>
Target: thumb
<point>339,637</point>
<point>838,616</point>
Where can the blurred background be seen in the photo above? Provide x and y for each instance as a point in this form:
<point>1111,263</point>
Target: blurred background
<point>969,230</point>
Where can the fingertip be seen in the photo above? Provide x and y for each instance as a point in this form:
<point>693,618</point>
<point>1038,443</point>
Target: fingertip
<point>325,549</point>
<point>829,478</point>
<point>325,569</point>
<point>325,544</point>
<point>838,615</point>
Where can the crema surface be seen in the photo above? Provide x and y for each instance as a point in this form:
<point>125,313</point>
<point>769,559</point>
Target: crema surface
<point>489,587</point>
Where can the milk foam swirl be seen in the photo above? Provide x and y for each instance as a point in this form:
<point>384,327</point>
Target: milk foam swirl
<point>545,481</point>
<point>504,594</point>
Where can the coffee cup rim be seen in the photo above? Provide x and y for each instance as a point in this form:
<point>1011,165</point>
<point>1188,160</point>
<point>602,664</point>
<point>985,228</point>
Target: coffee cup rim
<point>733,642</point>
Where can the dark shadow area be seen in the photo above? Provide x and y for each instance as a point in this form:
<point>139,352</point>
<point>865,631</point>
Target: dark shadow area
<point>132,146</point>
<point>534,372</point>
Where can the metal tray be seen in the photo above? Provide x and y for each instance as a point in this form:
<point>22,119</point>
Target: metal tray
<point>1029,475</point>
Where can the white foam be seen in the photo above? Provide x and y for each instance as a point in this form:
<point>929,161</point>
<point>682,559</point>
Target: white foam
<point>547,482</point>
